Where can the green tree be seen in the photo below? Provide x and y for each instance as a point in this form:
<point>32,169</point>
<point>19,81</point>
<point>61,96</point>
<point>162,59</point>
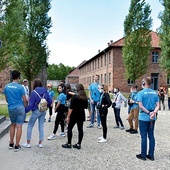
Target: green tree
<point>32,59</point>
<point>58,72</point>
<point>164,32</point>
<point>137,43</point>
<point>25,27</point>
<point>11,26</point>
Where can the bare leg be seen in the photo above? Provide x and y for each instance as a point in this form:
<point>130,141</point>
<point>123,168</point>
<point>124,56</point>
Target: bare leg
<point>18,134</point>
<point>12,133</point>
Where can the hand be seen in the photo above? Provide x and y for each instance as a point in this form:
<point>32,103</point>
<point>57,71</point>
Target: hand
<point>67,119</point>
<point>92,102</point>
<point>131,101</point>
<point>152,115</point>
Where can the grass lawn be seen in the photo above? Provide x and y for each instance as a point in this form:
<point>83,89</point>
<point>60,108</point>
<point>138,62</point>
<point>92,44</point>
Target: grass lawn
<point>3,110</point>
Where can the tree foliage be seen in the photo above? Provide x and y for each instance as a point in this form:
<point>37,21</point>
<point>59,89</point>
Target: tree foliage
<point>26,26</point>
<point>164,32</point>
<point>137,43</point>
<point>11,25</point>
<point>58,72</point>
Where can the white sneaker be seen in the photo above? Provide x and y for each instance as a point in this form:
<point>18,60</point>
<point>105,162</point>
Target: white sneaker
<point>102,140</point>
<point>101,137</point>
<point>52,137</point>
<point>122,127</point>
<point>62,134</point>
<point>26,145</point>
<point>40,145</point>
<point>99,127</point>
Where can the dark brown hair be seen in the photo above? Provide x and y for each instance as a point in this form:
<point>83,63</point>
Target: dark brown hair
<point>37,83</point>
<point>81,92</point>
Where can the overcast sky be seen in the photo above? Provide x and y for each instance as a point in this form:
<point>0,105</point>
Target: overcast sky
<point>82,27</point>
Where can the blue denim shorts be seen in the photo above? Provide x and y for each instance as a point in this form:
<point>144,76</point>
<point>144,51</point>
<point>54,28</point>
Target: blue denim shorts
<point>17,115</point>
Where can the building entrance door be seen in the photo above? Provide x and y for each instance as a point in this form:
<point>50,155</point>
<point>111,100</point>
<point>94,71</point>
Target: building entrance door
<point>154,77</point>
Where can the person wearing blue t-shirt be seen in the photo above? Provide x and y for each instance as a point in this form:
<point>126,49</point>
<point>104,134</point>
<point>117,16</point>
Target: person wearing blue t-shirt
<point>59,108</point>
<point>51,94</point>
<point>148,101</point>
<point>94,95</point>
<point>16,99</point>
<point>134,111</point>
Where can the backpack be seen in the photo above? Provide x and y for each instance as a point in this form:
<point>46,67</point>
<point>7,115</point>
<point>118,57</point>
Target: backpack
<point>42,106</point>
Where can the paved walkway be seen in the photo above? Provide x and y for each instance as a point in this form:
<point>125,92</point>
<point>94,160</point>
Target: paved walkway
<point>119,153</point>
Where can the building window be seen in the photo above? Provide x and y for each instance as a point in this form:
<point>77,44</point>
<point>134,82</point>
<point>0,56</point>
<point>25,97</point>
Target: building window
<point>105,78</point>
<point>109,78</point>
<point>105,59</point>
<point>98,62</point>
<point>101,79</point>
<point>130,82</point>
<point>109,57</point>
<point>155,57</point>
<point>101,61</point>
<point>168,80</point>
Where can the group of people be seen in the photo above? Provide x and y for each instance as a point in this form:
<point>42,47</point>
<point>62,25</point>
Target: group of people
<point>70,107</point>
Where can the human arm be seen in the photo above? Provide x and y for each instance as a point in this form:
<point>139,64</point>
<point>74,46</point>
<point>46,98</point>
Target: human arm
<point>24,100</point>
<point>153,114</point>
<point>68,115</point>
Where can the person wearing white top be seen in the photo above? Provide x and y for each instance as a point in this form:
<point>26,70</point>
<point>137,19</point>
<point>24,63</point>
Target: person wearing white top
<point>118,98</point>
<point>26,88</point>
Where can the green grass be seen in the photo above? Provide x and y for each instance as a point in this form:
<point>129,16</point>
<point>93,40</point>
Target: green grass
<point>4,110</point>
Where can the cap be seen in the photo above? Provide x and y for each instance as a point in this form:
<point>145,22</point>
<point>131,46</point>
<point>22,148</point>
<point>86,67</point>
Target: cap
<point>25,80</point>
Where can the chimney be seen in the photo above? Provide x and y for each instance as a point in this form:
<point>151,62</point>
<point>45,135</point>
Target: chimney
<point>98,51</point>
<point>108,44</point>
<point>111,41</point>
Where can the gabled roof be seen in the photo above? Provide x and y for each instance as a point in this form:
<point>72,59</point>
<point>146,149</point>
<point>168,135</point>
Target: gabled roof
<point>154,42</point>
<point>119,43</point>
<point>75,71</point>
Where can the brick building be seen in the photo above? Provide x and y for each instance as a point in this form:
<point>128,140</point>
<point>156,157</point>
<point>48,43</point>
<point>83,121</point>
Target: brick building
<point>5,77</point>
<point>108,64</point>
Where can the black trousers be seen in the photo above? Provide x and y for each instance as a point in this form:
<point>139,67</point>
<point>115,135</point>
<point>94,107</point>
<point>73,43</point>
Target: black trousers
<point>80,131</point>
<point>50,110</point>
<point>103,118</point>
<point>59,120</point>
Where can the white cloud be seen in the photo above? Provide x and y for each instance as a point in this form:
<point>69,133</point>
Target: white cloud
<point>70,54</point>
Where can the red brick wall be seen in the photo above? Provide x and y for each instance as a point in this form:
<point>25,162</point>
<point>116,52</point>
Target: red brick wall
<point>117,70</point>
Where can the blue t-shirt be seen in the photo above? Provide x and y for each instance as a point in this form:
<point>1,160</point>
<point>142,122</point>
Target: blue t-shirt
<point>149,98</point>
<point>94,92</point>
<point>51,94</point>
<point>134,98</point>
<point>62,98</point>
<point>14,92</point>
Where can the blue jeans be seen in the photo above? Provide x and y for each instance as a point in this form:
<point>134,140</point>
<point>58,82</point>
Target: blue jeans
<point>147,129</point>
<point>34,116</point>
<point>93,111</point>
<point>17,115</point>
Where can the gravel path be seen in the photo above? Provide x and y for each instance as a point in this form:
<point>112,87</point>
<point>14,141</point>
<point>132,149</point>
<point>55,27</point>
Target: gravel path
<point>119,153</point>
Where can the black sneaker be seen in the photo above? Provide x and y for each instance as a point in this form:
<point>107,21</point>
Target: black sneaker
<point>17,148</point>
<point>133,131</point>
<point>129,130</point>
<point>66,145</point>
<point>141,157</point>
<point>77,146</point>
<point>151,158</point>
<point>11,145</point>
